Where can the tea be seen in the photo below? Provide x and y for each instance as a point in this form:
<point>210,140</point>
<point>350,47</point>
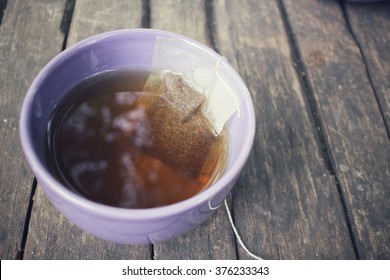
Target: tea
<point>121,141</point>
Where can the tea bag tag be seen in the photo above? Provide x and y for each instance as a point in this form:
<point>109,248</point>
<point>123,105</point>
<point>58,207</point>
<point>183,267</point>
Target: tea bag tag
<point>205,73</point>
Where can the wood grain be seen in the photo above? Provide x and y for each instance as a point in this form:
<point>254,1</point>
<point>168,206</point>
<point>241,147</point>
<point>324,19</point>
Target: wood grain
<point>51,236</point>
<point>286,205</point>
<point>365,22</point>
<point>29,38</point>
<point>213,239</point>
<point>356,137</point>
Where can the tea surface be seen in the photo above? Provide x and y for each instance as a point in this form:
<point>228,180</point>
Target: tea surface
<point>119,143</point>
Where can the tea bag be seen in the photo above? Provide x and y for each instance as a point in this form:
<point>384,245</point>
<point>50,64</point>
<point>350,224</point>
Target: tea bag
<point>189,105</point>
<point>206,74</point>
<point>181,135</point>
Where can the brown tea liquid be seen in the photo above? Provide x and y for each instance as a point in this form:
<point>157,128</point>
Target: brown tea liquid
<point>119,143</point>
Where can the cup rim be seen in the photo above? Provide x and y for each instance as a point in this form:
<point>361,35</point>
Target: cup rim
<point>47,179</point>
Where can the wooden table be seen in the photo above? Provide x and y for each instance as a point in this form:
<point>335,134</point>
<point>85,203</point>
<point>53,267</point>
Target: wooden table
<point>317,183</point>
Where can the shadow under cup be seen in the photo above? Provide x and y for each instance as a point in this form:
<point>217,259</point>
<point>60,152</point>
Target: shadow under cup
<point>124,49</point>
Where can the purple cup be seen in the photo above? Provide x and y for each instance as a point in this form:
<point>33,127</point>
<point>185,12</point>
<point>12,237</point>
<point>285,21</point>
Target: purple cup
<point>124,49</point>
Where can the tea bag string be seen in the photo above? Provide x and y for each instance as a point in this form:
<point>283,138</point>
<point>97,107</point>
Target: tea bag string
<point>238,235</point>
<point>217,66</point>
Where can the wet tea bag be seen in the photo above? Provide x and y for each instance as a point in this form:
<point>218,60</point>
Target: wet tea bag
<point>180,133</point>
<point>172,89</point>
<point>206,74</point>
<point>189,105</point>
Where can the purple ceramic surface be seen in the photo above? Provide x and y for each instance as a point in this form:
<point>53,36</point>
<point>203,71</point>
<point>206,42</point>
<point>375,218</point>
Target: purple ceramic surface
<point>114,50</point>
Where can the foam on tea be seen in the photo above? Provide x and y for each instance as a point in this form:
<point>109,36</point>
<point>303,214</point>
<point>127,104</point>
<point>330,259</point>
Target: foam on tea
<point>135,139</point>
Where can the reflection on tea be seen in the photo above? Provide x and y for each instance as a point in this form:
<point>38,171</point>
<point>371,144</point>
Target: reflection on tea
<point>124,140</point>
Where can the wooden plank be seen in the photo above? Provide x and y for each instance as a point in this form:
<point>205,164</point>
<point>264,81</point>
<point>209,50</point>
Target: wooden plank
<point>286,205</point>
<point>94,17</point>
<point>184,17</point>
<point>213,239</point>
<point>29,37</point>
<point>370,25</point>
<point>51,236</point>
<point>346,105</point>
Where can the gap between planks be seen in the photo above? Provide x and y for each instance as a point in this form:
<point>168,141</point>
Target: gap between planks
<point>210,24</point>
<point>20,253</point>
<point>67,20</point>
<point>146,20</point>
<point>3,6</point>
